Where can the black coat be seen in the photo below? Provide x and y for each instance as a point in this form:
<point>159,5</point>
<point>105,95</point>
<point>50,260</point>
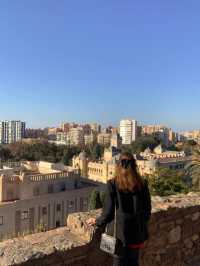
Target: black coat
<point>133,211</point>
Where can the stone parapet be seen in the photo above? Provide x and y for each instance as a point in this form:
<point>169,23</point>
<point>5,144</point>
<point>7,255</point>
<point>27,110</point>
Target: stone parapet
<point>174,239</point>
<point>174,232</point>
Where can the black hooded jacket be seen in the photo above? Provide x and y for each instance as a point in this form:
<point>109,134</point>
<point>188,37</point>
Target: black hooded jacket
<point>133,211</point>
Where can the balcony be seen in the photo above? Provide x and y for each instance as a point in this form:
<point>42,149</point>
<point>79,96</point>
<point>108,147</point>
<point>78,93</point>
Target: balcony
<point>174,239</point>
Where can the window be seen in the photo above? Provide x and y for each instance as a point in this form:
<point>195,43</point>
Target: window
<point>50,188</point>
<point>36,191</point>
<point>44,211</point>
<point>71,204</point>
<point>75,184</point>
<point>24,215</point>
<point>57,224</point>
<point>81,204</point>
<point>1,220</point>
<point>9,194</point>
<point>62,187</point>
<point>58,207</point>
<point>85,202</point>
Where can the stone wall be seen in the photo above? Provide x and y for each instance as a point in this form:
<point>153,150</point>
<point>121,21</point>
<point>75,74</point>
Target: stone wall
<point>174,233</point>
<point>174,239</point>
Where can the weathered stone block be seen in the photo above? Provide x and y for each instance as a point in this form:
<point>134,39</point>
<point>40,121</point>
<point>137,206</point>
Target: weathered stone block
<point>175,235</point>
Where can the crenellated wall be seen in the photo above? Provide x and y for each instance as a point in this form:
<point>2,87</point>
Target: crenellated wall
<point>174,239</point>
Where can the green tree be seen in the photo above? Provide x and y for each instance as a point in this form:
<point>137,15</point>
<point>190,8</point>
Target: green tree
<point>42,151</point>
<point>95,200</point>
<point>144,142</point>
<point>191,142</point>
<point>189,147</point>
<point>68,154</point>
<point>167,182</point>
<point>193,170</point>
<point>5,154</point>
<point>97,151</point>
<point>172,148</point>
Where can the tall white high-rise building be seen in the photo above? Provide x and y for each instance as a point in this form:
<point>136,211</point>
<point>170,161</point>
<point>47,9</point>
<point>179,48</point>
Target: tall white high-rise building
<point>76,136</point>
<point>11,131</point>
<point>128,131</point>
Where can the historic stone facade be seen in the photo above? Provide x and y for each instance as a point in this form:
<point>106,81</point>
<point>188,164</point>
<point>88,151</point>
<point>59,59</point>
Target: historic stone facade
<point>174,239</point>
<point>39,196</point>
<point>99,171</point>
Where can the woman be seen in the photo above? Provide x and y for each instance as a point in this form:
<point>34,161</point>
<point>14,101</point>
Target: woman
<point>131,195</point>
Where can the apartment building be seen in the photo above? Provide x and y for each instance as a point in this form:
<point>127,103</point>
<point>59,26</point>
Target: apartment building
<point>104,139</point>
<point>62,138</point>
<point>89,139</point>
<point>128,131</point>
<point>12,131</point>
<point>191,135</point>
<point>76,136</point>
<point>116,140</point>
<point>96,128</point>
<point>163,133</point>
<point>40,194</point>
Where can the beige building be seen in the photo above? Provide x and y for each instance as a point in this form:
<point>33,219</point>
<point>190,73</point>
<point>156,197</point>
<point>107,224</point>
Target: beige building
<point>173,137</point>
<point>146,167</point>
<point>95,127</point>
<point>160,153</point>
<point>80,163</point>
<point>193,135</point>
<point>53,130</point>
<point>104,139</point>
<point>151,129</point>
<point>149,161</point>
<point>39,195</point>
<point>62,138</point>
<point>162,132</point>
<point>149,166</point>
<point>116,141</point>
<point>76,136</point>
<point>100,171</point>
<point>65,127</point>
<point>89,139</point>
<point>115,130</point>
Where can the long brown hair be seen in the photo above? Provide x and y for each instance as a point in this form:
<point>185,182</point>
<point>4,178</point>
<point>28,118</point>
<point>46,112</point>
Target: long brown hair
<point>128,179</point>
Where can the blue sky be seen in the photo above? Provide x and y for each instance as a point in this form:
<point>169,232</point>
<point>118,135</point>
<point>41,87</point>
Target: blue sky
<point>100,61</point>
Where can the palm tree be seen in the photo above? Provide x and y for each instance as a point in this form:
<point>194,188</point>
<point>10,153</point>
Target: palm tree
<point>192,170</point>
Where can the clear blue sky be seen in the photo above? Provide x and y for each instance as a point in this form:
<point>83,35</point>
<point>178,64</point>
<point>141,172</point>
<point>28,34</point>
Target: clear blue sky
<point>100,61</point>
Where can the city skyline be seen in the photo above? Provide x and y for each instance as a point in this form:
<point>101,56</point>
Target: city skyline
<point>106,61</point>
<point>58,124</point>
<point>118,125</point>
